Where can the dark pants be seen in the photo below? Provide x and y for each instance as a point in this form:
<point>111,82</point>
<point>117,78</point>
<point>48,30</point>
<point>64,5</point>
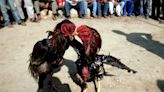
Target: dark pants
<point>155,9</point>
<point>163,8</point>
<point>128,7</point>
<point>136,7</point>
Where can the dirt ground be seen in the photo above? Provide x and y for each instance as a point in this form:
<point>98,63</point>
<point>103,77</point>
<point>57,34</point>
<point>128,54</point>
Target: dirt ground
<point>139,43</point>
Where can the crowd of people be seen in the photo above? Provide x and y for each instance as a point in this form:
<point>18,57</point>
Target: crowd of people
<point>98,8</point>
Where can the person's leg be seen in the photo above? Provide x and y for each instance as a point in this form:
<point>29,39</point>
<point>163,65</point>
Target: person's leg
<point>158,8</point>
<point>111,7</point>
<point>118,10</point>
<point>37,6</point>
<point>137,8</point>
<point>67,8</point>
<point>19,8</point>
<point>141,7</point>
<point>14,11</point>
<point>147,8</point>
<point>163,8</point>
<point>124,8</point>
<point>106,7</point>
<point>94,5</point>
<point>130,7</point>
<point>81,6</point>
<point>54,8</point>
<point>153,9</point>
<point>78,7</point>
<point>29,9</point>
<point>85,8</point>
<point>99,9</point>
<point>4,12</point>
<point>122,4</point>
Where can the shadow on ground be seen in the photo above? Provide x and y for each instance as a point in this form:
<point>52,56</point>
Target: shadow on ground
<point>160,84</point>
<point>54,85</point>
<point>152,24</point>
<point>144,40</point>
<point>71,66</point>
<point>72,70</point>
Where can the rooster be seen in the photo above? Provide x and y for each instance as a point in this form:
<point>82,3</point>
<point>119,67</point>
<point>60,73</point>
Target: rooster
<point>46,56</point>
<point>87,67</point>
<point>91,67</point>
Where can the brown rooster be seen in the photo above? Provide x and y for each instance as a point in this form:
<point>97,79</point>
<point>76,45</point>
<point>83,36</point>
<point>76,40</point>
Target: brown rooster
<point>88,69</point>
<point>91,40</point>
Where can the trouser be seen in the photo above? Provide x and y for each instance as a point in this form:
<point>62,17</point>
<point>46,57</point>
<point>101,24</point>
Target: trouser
<point>129,5</point>
<point>37,6</point>
<point>54,7</point>
<point>29,8</point>
<point>137,7</point>
<point>105,8</point>
<point>144,6</point>
<point>92,5</point>
<point>111,7</point>
<point>156,8</point>
<point>163,8</point>
<point>19,8</point>
<point>68,6</point>
<point>119,8</point>
<point>15,14</point>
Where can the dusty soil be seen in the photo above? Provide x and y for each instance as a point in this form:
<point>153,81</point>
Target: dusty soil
<point>139,43</point>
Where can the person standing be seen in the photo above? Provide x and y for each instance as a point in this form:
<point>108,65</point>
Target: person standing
<point>155,14</point>
<point>29,8</point>
<point>128,7</point>
<point>163,8</point>
<point>144,8</point>
<point>16,16</point>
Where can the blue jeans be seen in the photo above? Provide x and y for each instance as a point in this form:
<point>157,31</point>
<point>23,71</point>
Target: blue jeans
<point>68,6</point>
<point>105,8</point>
<point>146,6</point>
<point>92,5</point>
<point>129,6</point>
<point>15,14</point>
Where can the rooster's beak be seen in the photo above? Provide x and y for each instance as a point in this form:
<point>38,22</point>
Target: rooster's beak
<point>74,33</point>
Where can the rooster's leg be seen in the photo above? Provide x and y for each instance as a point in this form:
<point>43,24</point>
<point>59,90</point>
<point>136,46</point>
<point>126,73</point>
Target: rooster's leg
<point>97,85</point>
